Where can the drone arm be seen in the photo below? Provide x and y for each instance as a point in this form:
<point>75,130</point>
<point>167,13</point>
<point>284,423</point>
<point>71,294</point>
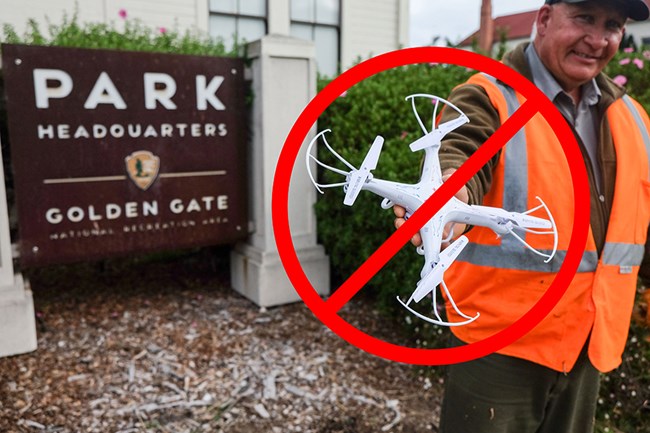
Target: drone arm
<point>466,214</point>
<point>400,194</point>
<point>431,171</point>
<point>503,222</point>
<point>447,127</point>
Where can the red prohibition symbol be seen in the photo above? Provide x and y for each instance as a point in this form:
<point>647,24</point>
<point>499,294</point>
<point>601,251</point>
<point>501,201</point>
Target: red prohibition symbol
<point>326,310</point>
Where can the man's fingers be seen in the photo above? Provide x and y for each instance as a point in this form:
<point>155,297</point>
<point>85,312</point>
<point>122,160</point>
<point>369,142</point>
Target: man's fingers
<point>416,240</point>
<point>399,211</point>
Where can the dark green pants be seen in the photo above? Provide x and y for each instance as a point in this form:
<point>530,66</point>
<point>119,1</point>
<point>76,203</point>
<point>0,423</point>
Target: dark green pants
<point>502,394</point>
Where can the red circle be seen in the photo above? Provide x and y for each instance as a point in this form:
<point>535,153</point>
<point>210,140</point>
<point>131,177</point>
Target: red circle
<point>287,250</point>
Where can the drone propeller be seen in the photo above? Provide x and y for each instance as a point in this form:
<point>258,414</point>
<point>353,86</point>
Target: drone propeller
<point>434,137</point>
<point>357,178</point>
<point>425,141</point>
<point>447,127</point>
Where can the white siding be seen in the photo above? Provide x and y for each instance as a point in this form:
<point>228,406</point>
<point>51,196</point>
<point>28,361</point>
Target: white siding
<point>16,12</point>
<point>368,27</point>
<point>171,14</point>
<point>371,27</point>
<point>638,30</point>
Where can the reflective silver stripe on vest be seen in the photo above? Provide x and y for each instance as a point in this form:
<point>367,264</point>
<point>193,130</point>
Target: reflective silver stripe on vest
<point>639,123</point>
<point>494,256</point>
<point>628,254</point>
<point>623,254</point>
<point>516,164</point>
<point>516,168</point>
<point>511,254</point>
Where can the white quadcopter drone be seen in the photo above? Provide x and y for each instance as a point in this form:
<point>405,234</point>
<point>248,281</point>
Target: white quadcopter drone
<point>412,196</point>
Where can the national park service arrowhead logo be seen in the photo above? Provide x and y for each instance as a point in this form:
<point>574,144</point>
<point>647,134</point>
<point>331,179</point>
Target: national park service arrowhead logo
<point>142,167</point>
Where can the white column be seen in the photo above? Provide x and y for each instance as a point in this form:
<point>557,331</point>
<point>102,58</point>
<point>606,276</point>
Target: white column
<point>17,324</point>
<point>279,17</point>
<point>202,16</point>
<point>402,23</point>
<point>284,81</point>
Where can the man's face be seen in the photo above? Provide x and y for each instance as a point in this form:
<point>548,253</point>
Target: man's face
<point>576,41</point>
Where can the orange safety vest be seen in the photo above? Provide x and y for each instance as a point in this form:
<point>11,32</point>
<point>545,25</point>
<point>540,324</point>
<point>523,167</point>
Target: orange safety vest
<point>502,280</point>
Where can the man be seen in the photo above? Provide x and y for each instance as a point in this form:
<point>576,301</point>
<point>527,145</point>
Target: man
<point>547,382</point>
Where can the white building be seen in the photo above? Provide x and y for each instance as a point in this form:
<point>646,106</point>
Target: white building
<point>282,70</point>
<point>343,30</point>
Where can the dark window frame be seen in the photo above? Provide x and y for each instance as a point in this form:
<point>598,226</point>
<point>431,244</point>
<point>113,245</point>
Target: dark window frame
<point>315,24</point>
<point>237,16</point>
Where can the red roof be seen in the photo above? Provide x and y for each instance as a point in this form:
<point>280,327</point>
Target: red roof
<point>516,26</point>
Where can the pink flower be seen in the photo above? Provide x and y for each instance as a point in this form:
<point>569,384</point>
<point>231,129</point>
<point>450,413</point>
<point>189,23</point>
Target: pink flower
<point>122,13</point>
<point>404,135</point>
<point>628,50</point>
<point>342,95</point>
<point>646,54</point>
<point>434,100</point>
<point>620,80</point>
<point>162,30</point>
<point>638,63</point>
<point>624,62</point>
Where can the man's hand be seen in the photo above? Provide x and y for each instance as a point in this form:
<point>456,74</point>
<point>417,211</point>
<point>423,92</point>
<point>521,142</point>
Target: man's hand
<point>458,229</point>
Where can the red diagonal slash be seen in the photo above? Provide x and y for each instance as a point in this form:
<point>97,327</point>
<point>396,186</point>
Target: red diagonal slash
<point>430,207</point>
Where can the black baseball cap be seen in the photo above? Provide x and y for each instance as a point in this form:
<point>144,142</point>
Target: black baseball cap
<point>636,9</point>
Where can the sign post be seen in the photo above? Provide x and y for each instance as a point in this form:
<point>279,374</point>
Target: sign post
<point>17,323</point>
<point>284,81</point>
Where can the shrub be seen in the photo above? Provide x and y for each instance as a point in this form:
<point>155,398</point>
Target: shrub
<point>624,400</point>
<point>629,68</point>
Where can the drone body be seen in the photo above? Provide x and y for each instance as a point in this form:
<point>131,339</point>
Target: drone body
<point>412,196</point>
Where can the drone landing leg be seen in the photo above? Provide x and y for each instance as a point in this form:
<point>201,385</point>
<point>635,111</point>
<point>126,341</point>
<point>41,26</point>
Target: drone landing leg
<point>435,321</point>
<point>453,304</point>
<point>438,320</point>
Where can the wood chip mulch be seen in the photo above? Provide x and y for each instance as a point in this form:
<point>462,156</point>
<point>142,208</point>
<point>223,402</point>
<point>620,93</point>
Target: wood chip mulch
<point>164,345</point>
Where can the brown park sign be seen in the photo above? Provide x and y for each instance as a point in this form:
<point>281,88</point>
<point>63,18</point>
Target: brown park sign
<point>116,152</point>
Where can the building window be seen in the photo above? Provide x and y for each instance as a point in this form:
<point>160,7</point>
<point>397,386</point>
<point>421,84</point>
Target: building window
<point>241,20</point>
<point>319,21</point>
